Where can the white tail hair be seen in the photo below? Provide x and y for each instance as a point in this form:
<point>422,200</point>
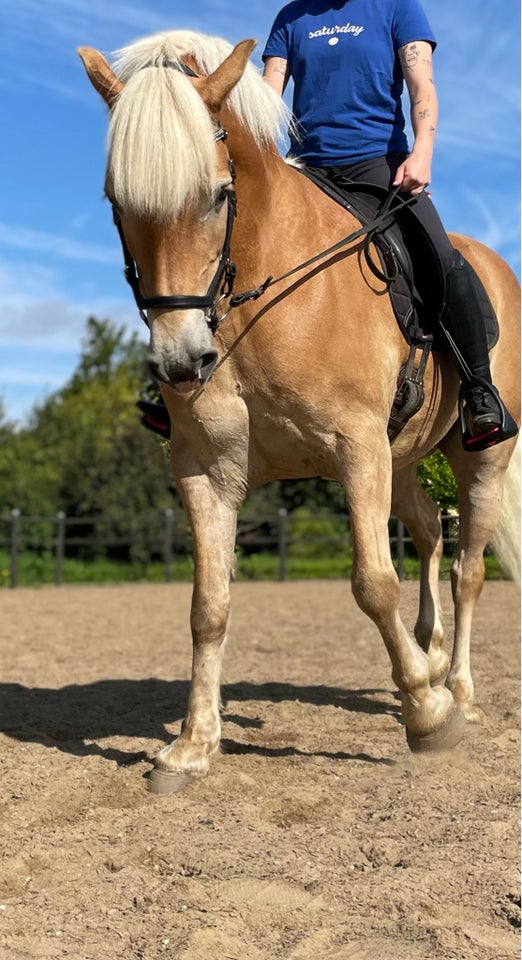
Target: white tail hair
<point>506,539</point>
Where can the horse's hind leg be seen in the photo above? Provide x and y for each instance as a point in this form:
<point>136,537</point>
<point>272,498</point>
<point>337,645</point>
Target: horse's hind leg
<point>480,480</point>
<point>421,516</point>
<point>214,526</point>
<point>432,720</point>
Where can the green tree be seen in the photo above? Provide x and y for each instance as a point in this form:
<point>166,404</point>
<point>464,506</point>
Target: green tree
<point>85,451</point>
<point>107,352</point>
<point>436,478</point>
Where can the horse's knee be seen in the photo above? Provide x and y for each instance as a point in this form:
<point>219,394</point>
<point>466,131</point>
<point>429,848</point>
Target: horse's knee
<point>209,617</point>
<point>467,579</point>
<point>376,592</point>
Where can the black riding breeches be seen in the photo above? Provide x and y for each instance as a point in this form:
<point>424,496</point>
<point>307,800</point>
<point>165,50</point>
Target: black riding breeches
<point>381,172</point>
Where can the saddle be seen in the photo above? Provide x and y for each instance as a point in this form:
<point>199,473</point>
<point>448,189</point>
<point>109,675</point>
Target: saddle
<point>410,267</point>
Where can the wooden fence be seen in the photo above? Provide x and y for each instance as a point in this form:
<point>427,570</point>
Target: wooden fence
<point>275,533</point>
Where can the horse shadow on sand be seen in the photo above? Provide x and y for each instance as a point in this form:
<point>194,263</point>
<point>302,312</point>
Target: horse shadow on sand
<point>73,718</point>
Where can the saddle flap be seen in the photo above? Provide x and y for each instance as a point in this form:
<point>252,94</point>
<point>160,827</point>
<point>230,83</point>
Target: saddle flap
<point>406,242</point>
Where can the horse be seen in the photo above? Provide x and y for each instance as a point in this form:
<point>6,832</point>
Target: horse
<point>298,385</point>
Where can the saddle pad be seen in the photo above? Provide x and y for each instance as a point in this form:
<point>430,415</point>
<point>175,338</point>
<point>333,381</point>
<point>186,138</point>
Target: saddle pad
<point>418,294</point>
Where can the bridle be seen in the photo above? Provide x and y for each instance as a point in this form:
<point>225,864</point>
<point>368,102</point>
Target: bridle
<point>222,285</point>
<point>223,281</point>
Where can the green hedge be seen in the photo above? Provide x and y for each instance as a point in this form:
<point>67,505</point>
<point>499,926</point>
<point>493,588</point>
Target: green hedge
<point>39,570</point>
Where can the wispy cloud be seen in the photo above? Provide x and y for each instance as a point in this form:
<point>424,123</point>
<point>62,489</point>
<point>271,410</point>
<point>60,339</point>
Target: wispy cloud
<point>497,223</point>
<point>58,324</point>
<point>69,18</point>
<point>35,310</point>
<point>41,331</point>
<point>31,378</point>
<point>24,238</point>
<point>68,23</point>
<point>40,343</point>
<point>476,69</point>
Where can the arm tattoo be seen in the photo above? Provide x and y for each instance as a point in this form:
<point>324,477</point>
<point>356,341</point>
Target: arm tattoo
<point>409,55</point>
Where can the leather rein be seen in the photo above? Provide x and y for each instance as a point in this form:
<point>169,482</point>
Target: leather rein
<point>222,285</point>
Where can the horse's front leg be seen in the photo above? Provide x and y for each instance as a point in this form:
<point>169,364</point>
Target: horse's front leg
<point>432,720</point>
<point>214,527</point>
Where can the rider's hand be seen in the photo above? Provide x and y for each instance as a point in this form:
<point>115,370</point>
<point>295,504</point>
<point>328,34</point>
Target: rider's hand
<point>412,176</point>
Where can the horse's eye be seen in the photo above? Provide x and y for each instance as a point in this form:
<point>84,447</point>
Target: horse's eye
<point>221,196</point>
<point>216,200</point>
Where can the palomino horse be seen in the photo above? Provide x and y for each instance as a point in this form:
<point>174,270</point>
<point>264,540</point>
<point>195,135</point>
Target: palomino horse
<point>301,386</point>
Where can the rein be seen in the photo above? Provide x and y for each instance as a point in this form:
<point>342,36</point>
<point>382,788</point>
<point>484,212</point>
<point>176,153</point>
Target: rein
<point>226,270</point>
<point>381,220</point>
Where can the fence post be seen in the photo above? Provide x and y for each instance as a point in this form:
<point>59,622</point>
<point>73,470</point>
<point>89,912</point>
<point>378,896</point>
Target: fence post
<point>281,540</point>
<point>59,547</point>
<point>167,547</point>
<point>400,550</point>
<point>15,544</point>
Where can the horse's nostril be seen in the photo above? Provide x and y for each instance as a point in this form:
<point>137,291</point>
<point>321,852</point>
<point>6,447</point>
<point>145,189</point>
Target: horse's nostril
<point>208,361</point>
<point>155,370</point>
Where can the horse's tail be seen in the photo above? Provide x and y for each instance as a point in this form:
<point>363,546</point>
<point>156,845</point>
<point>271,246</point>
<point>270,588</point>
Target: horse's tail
<point>506,539</point>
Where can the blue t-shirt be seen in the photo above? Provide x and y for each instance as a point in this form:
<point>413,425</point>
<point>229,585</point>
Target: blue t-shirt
<point>347,76</point>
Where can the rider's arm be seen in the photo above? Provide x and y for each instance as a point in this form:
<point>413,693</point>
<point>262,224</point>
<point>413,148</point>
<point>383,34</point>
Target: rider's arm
<point>415,59</point>
<point>276,74</point>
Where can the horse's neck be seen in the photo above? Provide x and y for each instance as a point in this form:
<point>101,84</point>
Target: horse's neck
<point>252,163</point>
<point>275,216</point>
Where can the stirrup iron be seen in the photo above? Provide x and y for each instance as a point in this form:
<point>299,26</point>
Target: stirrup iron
<point>504,431</point>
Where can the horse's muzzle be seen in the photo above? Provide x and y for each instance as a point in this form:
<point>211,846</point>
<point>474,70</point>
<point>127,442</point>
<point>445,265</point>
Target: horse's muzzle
<point>175,372</point>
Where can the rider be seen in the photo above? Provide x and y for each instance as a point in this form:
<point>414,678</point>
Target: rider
<point>348,60</point>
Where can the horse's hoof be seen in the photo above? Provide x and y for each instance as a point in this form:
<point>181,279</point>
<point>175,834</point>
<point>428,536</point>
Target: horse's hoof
<point>166,781</point>
<point>445,738</point>
<point>473,714</point>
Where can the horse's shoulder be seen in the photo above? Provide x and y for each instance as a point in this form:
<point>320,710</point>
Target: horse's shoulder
<point>315,195</point>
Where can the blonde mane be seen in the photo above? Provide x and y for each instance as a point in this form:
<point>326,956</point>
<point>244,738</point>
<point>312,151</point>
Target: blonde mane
<point>161,148</point>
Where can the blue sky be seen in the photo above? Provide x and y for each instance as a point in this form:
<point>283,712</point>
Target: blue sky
<point>60,259</point>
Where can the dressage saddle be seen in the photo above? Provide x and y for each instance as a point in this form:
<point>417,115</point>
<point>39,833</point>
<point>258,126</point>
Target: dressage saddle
<point>410,267</point>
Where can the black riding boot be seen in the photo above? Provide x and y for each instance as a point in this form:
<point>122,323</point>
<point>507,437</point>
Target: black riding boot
<point>155,417</point>
<point>488,421</point>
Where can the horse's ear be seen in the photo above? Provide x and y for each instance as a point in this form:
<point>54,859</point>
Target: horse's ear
<point>218,85</point>
<point>104,81</point>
